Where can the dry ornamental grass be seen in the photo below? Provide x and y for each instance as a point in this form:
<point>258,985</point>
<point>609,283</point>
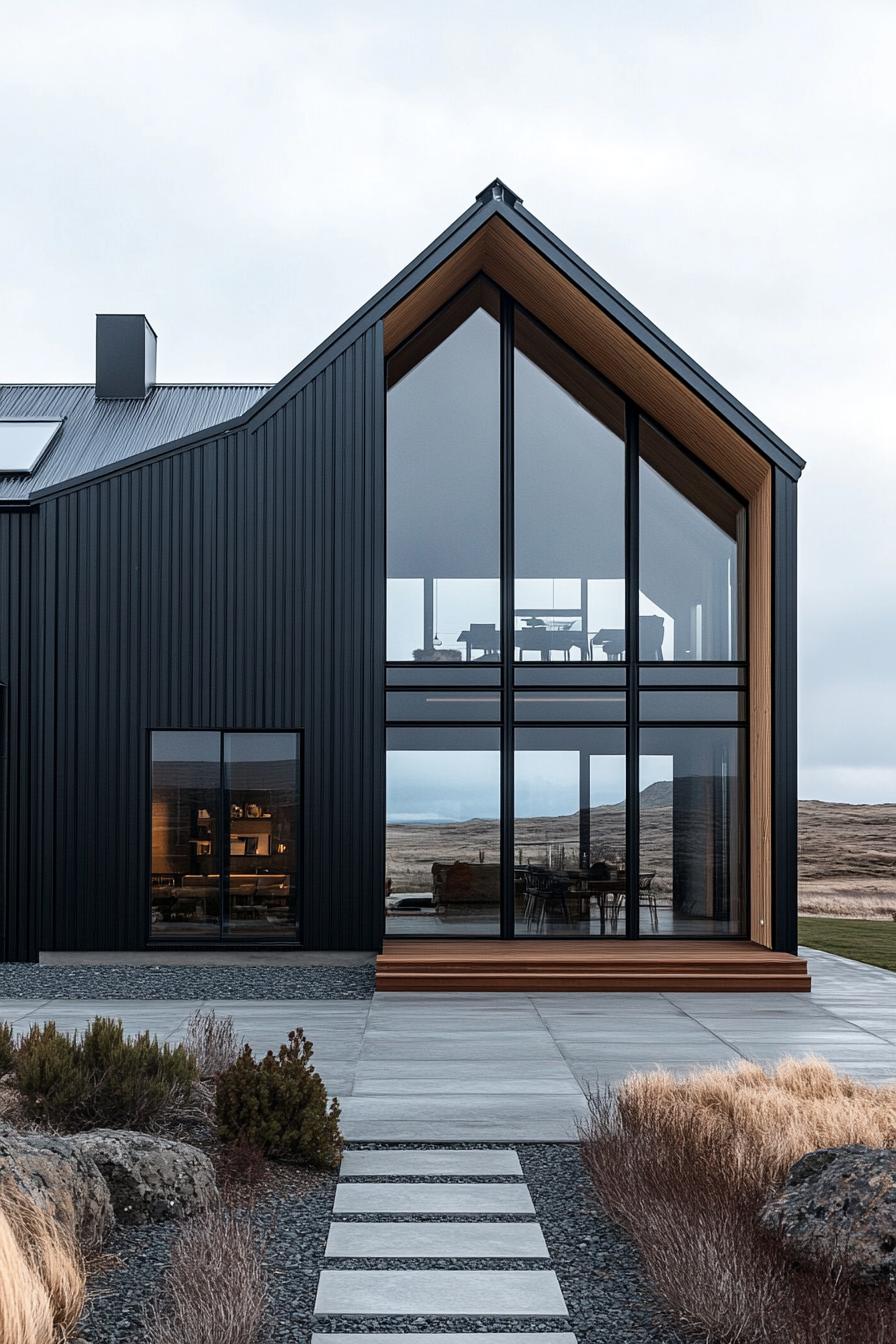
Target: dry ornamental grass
<point>225,1302</point>
<point>684,1165</point>
<point>42,1277</point>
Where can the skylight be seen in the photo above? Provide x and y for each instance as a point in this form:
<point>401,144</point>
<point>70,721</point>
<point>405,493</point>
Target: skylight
<point>23,441</point>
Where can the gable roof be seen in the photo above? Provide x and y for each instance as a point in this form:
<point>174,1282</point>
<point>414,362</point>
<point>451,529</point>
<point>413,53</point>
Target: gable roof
<point>249,406</point>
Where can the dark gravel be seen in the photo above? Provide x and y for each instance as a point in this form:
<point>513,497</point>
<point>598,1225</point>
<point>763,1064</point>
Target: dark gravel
<point>26,980</point>
<point>599,1270</point>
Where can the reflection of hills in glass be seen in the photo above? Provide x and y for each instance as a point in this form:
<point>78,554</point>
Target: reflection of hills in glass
<point>412,847</point>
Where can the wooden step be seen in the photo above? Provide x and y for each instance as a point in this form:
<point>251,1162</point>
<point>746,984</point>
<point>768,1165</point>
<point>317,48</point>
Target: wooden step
<point>594,981</point>
<point>487,965</point>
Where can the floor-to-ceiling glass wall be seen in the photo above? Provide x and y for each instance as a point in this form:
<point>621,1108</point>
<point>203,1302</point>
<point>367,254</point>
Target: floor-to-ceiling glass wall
<point>566,702</point>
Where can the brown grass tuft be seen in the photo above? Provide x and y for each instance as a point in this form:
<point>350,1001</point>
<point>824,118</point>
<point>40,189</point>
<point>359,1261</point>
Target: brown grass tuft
<point>222,1303</point>
<point>42,1276</point>
<point>684,1166</point>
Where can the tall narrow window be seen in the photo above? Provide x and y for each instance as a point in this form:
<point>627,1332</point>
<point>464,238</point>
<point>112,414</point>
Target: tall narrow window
<point>569,831</point>
<point>186,834</point>
<point>260,787</point>
<point>692,831</point>
<point>569,511</point>
<point>443,487</point>
<point>225,835</point>
<point>443,833</point>
<point>691,532</point>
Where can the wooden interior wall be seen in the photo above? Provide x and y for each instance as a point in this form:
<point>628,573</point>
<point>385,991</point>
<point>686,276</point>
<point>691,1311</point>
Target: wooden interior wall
<point>500,253</point>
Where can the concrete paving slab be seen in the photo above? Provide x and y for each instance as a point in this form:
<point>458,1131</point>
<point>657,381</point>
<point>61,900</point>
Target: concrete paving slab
<point>439,1292</point>
<point>435,1197</point>
<point>451,1337</point>
<point>452,1241</point>
<point>508,1118</point>
<point>431,1162</point>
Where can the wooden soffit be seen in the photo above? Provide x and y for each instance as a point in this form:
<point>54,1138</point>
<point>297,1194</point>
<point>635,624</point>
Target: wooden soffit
<point>502,254</point>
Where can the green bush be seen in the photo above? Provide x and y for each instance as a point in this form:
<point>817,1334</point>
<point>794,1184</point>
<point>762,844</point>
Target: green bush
<point>279,1105</point>
<point>101,1079</point>
<point>7,1050</point>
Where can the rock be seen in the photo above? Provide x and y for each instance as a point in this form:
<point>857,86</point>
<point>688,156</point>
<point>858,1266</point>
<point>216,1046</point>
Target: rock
<point>839,1204</point>
<point>150,1179</point>
<point>46,1167</point>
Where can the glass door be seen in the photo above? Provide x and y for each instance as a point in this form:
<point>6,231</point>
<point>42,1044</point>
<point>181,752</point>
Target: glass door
<point>569,832</point>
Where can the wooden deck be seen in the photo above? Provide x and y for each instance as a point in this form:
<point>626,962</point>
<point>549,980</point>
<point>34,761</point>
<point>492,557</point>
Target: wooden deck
<point>610,965</point>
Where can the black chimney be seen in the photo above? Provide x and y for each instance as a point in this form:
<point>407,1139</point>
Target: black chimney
<point>125,356</point>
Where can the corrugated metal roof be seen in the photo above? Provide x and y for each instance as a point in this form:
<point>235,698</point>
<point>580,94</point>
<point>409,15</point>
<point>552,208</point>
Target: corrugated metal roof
<point>98,433</point>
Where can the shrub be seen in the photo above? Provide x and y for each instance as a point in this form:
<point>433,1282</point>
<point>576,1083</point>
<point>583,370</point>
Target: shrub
<point>684,1166</point>
<point>279,1105</point>
<point>102,1079</point>
<point>215,1290</point>
<point>42,1278</point>
<point>7,1050</point>
<point>213,1043</point>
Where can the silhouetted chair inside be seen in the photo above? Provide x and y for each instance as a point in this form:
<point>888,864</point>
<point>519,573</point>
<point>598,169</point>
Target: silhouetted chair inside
<point>544,892</point>
<point>647,896</point>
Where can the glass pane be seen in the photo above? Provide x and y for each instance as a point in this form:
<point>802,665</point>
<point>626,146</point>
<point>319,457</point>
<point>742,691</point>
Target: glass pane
<point>691,544</point>
<point>443,487</point>
<point>692,832</point>
<point>588,674</point>
<point>186,862</point>
<point>261,779</point>
<point>443,834</point>
<point>569,831</point>
<point>666,674</point>
<point>688,706</point>
<point>563,706</point>
<point>432,706</point>
<point>569,507</point>
<point>429,674</point>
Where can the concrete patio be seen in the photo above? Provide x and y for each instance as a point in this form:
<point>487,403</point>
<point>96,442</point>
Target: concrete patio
<point>516,1067</point>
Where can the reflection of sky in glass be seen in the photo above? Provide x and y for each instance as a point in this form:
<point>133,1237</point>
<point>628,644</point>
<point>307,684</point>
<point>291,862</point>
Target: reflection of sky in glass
<point>442,785</point>
<point>546,783</point>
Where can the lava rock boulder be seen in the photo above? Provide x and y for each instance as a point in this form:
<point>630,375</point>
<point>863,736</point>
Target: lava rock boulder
<point>60,1178</point>
<point>151,1179</point>
<point>838,1206</point>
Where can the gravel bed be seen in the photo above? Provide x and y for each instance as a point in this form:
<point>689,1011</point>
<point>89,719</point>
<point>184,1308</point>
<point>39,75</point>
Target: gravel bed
<point>600,1273</point>
<point>27,980</point>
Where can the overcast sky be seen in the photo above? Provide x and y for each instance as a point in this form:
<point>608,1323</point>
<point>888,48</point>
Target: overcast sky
<point>249,173</point>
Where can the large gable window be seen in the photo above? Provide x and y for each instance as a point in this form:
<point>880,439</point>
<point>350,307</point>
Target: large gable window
<point>569,502</point>
<point>691,534</point>
<point>443,487</point>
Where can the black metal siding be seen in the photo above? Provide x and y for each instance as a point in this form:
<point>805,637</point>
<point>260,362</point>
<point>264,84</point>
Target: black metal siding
<point>237,582</point>
<point>784,714</point>
<point>18,552</point>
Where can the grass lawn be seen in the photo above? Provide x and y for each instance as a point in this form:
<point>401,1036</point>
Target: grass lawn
<point>871,940</point>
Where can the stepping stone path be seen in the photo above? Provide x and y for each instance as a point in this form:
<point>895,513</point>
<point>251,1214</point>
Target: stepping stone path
<point>435,1185</point>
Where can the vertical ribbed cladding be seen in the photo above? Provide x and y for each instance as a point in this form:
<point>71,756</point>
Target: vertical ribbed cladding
<point>784,715</point>
<point>18,575</point>
<point>236,583</point>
